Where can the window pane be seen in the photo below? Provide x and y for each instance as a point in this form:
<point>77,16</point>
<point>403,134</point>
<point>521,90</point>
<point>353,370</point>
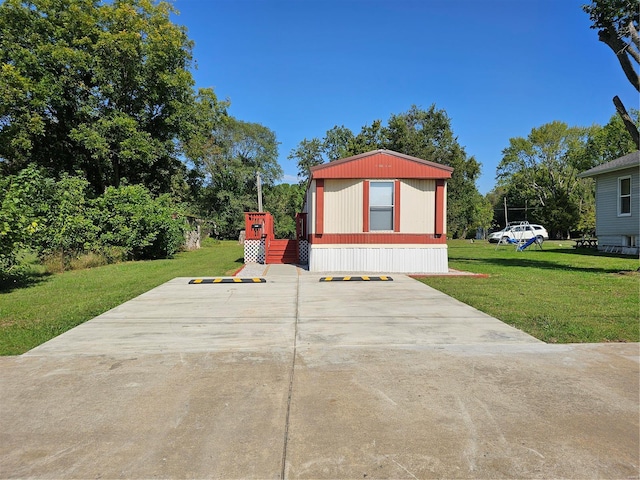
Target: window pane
<point>381,193</point>
<point>625,186</point>
<point>625,205</point>
<point>381,218</point>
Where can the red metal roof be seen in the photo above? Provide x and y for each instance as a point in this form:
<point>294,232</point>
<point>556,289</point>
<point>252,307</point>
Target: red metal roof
<point>381,164</point>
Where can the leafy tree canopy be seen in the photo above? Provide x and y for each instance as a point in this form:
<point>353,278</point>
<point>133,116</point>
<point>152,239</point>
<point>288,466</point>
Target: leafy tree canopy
<point>613,140</point>
<point>283,201</point>
<point>101,87</point>
<point>420,133</point>
<point>617,22</point>
<point>226,164</point>
<point>539,173</point>
<point>308,153</point>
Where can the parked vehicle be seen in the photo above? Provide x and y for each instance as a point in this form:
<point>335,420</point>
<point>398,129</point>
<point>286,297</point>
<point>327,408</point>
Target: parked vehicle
<point>520,232</point>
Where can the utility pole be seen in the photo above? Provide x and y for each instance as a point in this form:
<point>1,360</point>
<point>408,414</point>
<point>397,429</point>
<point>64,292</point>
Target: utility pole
<point>259,184</point>
<point>506,220</point>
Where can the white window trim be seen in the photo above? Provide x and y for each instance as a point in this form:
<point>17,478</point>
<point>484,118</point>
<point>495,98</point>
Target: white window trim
<point>393,206</point>
<point>620,214</point>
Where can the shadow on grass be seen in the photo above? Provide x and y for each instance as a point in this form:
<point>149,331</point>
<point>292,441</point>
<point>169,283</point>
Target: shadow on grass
<point>16,281</point>
<point>590,252</point>
<point>541,264</point>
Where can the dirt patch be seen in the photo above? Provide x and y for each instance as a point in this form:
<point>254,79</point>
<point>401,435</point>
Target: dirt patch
<point>633,273</point>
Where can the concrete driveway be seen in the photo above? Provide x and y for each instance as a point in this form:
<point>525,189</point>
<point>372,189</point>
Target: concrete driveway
<point>295,378</point>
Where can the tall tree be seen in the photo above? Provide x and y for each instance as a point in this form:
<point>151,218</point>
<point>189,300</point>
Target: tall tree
<point>420,133</point>
<point>542,169</point>
<point>427,134</point>
<point>229,160</point>
<point>617,22</point>
<point>371,137</point>
<point>336,142</point>
<point>307,154</point>
<point>611,141</point>
<point>333,146</point>
<point>96,86</point>
<point>283,201</point>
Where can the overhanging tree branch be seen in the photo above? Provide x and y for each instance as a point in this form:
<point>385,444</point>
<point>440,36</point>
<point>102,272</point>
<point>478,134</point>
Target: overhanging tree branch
<point>622,51</point>
<point>617,23</point>
<point>633,33</point>
<point>628,121</point>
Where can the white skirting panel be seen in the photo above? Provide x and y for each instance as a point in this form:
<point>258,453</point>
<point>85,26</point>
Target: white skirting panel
<point>379,259</point>
<point>254,251</point>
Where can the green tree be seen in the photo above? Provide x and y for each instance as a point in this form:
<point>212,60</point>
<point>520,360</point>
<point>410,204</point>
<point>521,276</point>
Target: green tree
<point>308,153</point>
<point>611,141</point>
<point>20,195</point>
<point>134,225</point>
<point>101,87</point>
<point>283,201</point>
<point>541,170</point>
<point>229,159</point>
<point>617,22</point>
<point>483,214</point>
<point>427,134</point>
<point>420,133</point>
<point>496,198</point>
<point>67,229</point>
<point>336,142</point>
<point>371,137</point>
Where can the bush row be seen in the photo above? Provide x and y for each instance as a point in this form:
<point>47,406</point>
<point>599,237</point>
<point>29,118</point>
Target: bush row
<point>59,218</point>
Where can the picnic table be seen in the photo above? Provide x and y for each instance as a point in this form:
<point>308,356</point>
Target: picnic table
<point>586,243</point>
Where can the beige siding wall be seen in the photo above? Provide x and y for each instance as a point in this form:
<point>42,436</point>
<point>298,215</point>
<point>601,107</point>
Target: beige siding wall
<point>417,206</point>
<point>446,195</point>
<point>343,206</point>
<point>311,208</point>
<point>343,203</point>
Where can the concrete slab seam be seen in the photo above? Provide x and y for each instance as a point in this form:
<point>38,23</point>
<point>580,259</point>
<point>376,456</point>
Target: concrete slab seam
<point>291,377</point>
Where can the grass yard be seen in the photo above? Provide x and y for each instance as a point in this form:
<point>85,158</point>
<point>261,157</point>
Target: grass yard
<point>50,305</point>
<point>558,294</point>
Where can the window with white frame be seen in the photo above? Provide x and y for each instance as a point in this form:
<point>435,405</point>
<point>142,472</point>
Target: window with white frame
<point>381,206</point>
<point>624,196</point>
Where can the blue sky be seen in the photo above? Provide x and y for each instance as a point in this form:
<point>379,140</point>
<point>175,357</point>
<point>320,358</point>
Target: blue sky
<point>497,67</point>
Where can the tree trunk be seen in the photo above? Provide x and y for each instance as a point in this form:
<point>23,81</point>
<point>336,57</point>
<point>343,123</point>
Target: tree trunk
<point>610,37</point>
<point>628,121</point>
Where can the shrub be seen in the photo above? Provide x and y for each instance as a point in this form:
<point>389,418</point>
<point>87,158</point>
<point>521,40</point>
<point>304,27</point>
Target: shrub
<point>141,227</point>
<point>68,230</point>
<point>19,195</point>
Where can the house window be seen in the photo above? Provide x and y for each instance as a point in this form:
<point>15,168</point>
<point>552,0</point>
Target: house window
<point>624,196</point>
<point>381,206</point>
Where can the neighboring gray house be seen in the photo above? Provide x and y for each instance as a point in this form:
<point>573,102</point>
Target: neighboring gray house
<point>618,204</point>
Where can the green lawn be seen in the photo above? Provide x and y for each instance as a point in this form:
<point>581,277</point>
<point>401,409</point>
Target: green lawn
<point>558,294</point>
<point>50,305</point>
